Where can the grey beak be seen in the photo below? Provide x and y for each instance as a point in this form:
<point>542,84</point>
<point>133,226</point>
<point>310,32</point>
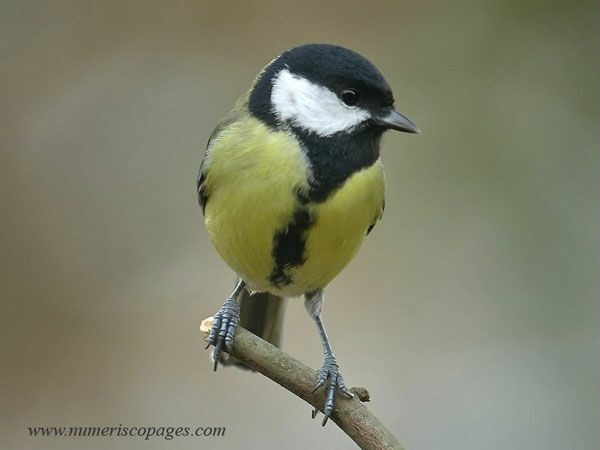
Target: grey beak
<point>396,121</point>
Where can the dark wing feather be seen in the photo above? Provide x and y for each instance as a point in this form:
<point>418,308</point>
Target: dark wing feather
<point>202,197</point>
<point>233,115</point>
<point>377,218</point>
<point>200,187</point>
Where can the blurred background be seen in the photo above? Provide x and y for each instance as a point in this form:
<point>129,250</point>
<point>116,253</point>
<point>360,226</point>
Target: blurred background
<point>483,274</point>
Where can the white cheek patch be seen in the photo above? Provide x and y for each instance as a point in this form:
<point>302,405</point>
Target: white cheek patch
<point>312,107</point>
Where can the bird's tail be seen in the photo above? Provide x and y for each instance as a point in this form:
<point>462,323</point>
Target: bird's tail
<point>262,314</point>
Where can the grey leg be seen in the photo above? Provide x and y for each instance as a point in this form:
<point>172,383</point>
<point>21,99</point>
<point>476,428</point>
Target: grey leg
<point>225,322</point>
<point>330,369</point>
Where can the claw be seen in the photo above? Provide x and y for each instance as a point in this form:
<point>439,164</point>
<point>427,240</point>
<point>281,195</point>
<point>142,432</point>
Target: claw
<point>330,371</point>
<point>223,329</point>
<point>314,412</point>
<point>318,385</point>
<point>346,392</point>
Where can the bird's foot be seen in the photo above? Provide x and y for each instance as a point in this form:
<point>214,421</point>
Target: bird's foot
<point>223,328</point>
<point>330,371</point>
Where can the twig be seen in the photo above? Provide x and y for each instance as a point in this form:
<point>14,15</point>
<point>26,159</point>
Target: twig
<point>349,414</point>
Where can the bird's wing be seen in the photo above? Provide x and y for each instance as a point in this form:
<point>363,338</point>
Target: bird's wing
<point>377,218</point>
<point>202,197</point>
<point>200,187</point>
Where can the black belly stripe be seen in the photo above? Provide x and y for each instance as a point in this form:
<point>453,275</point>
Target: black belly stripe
<point>332,161</point>
<point>288,247</point>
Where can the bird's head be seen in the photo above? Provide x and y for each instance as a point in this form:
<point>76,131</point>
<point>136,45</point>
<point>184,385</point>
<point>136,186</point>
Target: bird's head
<point>325,90</point>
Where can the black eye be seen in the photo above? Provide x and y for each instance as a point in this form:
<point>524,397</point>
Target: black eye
<point>349,97</point>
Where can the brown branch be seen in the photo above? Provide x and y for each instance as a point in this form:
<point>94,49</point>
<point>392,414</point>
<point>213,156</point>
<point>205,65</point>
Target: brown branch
<point>349,414</point>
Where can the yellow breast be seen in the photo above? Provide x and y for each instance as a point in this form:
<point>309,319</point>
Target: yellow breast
<point>252,177</point>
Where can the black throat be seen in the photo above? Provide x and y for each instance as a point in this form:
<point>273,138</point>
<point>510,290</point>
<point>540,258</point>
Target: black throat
<point>335,158</point>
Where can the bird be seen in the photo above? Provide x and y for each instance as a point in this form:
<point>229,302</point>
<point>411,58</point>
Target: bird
<point>290,184</point>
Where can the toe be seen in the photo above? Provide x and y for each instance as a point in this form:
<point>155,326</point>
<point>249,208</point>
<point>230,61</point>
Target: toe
<point>214,329</point>
<point>223,329</point>
<point>342,387</point>
<point>330,371</point>
<point>230,333</point>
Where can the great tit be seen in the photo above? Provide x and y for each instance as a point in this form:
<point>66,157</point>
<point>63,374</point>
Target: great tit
<point>292,181</point>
